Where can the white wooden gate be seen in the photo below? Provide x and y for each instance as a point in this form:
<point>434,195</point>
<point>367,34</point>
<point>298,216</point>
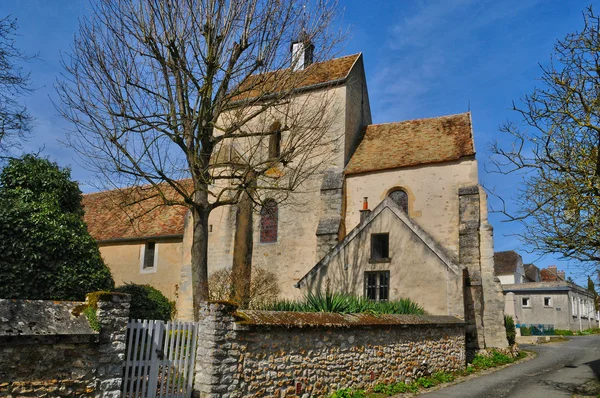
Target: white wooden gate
<point>160,359</point>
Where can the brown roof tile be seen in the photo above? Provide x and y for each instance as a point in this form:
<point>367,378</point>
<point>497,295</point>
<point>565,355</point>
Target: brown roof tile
<point>111,214</point>
<point>505,263</point>
<point>256,86</point>
<point>412,143</point>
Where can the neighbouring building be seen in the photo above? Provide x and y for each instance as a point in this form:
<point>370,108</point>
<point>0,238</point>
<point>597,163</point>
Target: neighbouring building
<point>557,304</point>
<point>427,237</point>
<point>532,273</point>
<point>551,274</point>
<point>508,267</point>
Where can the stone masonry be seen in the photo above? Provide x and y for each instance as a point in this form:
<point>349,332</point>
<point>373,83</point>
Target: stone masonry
<point>48,348</point>
<point>484,302</point>
<point>282,354</point>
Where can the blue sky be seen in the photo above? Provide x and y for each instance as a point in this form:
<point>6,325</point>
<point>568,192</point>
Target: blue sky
<point>422,59</point>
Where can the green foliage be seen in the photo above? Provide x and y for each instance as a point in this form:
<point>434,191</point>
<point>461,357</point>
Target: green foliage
<point>348,393</point>
<point>148,303</point>
<point>495,358</point>
<point>561,332</point>
<point>525,331</point>
<point>90,314</point>
<point>346,304</point>
<point>47,252</point>
<point>509,325</point>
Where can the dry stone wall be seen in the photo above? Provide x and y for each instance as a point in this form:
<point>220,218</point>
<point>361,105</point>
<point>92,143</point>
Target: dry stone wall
<point>269,354</point>
<point>48,349</point>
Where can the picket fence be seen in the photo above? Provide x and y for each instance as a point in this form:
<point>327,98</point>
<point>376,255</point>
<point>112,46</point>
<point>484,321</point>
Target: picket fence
<point>160,359</point>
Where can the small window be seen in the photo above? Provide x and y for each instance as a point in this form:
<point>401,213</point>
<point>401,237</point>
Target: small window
<point>269,217</point>
<point>526,302</point>
<point>275,141</point>
<point>400,197</point>
<point>377,285</point>
<point>149,256</point>
<point>547,302</point>
<point>380,247</point>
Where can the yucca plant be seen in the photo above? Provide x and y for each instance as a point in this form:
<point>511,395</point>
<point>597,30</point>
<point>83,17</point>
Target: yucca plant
<point>346,304</point>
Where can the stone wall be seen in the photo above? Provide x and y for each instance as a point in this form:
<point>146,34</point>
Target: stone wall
<point>281,354</point>
<point>48,348</point>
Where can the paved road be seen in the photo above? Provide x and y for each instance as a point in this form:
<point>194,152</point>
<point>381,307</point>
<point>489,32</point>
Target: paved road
<point>557,372</point>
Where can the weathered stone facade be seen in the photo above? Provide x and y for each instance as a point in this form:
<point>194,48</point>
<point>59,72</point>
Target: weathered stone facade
<point>46,350</point>
<point>258,353</point>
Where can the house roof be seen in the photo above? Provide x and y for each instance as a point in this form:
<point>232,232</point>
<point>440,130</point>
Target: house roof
<point>551,274</point>
<point>412,143</point>
<point>505,263</point>
<point>120,214</point>
<point>401,216</point>
<point>313,76</point>
<point>545,286</point>
<point>532,272</point>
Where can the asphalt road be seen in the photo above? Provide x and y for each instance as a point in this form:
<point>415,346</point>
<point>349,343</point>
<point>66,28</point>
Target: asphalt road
<point>559,370</point>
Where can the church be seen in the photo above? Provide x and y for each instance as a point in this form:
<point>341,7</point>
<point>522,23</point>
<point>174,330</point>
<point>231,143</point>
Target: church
<point>397,212</point>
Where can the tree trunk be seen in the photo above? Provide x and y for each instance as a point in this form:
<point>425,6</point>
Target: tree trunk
<point>199,257</point>
<point>242,251</point>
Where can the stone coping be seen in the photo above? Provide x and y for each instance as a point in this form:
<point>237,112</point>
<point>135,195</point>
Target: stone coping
<point>42,317</point>
<point>322,319</point>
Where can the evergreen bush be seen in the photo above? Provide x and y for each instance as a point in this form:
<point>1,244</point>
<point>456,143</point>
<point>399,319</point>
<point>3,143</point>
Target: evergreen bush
<point>148,302</point>
<point>47,252</point>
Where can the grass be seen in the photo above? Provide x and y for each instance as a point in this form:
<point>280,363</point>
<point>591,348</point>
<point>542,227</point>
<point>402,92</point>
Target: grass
<point>479,363</point>
<point>346,304</point>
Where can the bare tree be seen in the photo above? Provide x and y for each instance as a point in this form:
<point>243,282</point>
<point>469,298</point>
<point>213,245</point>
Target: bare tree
<point>15,121</point>
<point>556,154</point>
<point>164,91</point>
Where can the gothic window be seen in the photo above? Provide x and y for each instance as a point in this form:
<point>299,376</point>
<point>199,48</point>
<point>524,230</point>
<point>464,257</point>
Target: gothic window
<point>377,285</point>
<point>269,215</point>
<point>400,197</point>
<point>275,141</point>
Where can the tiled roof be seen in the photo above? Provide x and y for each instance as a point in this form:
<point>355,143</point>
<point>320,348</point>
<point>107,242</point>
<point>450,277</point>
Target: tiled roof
<point>550,275</point>
<point>532,273</point>
<point>412,143</point>
<point>111,214</point>
<point>257,86</point>
<point>505,263</point>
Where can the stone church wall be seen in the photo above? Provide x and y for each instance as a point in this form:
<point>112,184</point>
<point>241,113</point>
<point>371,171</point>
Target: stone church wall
<point>269,354</point>
<point>432,195</point>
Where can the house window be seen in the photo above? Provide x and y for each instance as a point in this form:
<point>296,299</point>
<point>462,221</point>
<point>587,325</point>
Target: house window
<point>400,197</point>
<point>377,285</point>
<point>275,141</point>
<point>525,302</point>
<point>380,247</point>
<point>148,257</point>
<point>573,306</point>
<point>269,215</point>
<point>547,301</point>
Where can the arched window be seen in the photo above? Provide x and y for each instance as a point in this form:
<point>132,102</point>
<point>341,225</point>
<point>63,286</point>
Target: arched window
<point>400,197</point>
<point>269,215</point>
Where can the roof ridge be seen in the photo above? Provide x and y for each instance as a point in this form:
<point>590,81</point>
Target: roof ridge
<point>418,119</point>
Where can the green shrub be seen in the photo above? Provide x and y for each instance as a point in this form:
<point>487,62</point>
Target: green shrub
<point>509,325</point>
<point>561,332</point>
<point>348,393</point>
<point>148,303</point>
<point>525,331</point>
<point>47,252</point>
<point>493,359</point>
<point>346,304</point>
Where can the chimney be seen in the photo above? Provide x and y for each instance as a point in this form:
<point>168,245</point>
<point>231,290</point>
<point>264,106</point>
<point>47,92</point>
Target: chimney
<point>302,52</point>
<point>561,275</point>
<point>364,213</point>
